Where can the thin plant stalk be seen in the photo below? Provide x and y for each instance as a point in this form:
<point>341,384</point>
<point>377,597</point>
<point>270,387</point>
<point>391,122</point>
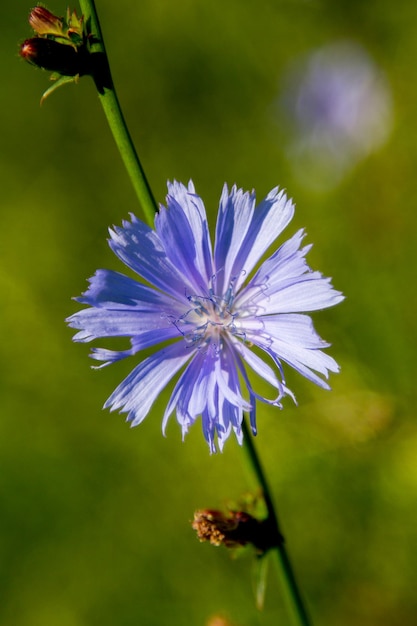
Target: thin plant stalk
<point>113,112</point>
<point>301,617</point>
<point>115,118</point>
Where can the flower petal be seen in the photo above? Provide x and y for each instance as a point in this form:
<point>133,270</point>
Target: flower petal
<point>187,233</point>
<point>234,218</point>
<point>192,392</point>
<point>269,219</point>
<point>100,322</point>
<point>292,338</point>
<point>285,283</point>
<point>294,328</point>
<point>209,387</point>
<point>309,293</point>
<point>136,394</point>
<point>119,291</point>
<point>261,368</point>
<point>145,340</point>
<point>122,307</point>
<point>140,248</point>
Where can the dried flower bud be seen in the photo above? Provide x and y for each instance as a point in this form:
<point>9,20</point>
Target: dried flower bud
<point>234,529</point>
<point>56,57</point>
<point>44,22</point>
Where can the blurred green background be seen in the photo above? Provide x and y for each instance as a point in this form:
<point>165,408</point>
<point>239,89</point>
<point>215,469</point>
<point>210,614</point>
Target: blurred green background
<point>95,516</point>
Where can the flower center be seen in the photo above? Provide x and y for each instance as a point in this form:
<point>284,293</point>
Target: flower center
<point>208,320</point>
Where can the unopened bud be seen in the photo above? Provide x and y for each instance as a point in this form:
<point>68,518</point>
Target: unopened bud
<point>75,27</point>
<point>55,57</point>
<point>44,22</point>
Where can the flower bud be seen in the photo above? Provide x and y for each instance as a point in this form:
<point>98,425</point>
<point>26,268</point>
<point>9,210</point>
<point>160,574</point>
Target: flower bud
<point>74,26</point>
<point>234,529</point>
<point>55,57</point>
<point>44,22</point>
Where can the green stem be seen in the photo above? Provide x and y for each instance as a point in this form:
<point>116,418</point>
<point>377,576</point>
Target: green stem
<point>108,97</point>
<point>299,609</point>
<point>107,94</point>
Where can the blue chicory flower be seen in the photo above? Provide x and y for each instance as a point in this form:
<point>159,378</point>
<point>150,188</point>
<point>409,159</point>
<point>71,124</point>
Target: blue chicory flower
<point>206,310</point>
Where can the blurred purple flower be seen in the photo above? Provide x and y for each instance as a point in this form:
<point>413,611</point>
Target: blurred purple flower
<point>208,311</point>
<point>340,109</point>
